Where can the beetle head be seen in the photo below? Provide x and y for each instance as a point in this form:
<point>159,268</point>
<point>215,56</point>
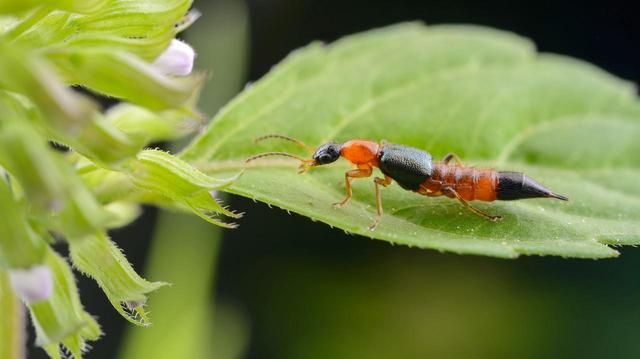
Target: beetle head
<point>327,153</point>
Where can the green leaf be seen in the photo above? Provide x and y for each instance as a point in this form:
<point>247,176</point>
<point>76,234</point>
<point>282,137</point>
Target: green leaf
<point>481,93</point>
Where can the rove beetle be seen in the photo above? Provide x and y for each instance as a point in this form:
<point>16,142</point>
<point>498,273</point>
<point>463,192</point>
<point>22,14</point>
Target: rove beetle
<point>415,170</point>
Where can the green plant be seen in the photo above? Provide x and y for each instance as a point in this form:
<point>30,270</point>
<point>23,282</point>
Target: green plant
<point>482,93</point>
<point>117,48</point>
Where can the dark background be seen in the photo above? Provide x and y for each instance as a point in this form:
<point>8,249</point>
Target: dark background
<point>303,287</point>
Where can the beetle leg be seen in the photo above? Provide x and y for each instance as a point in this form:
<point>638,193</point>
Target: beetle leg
<point>433,194</point>
<point>470,207</point>
<point>379,182</point>
<point>348,177</point>
<point>452,156</point>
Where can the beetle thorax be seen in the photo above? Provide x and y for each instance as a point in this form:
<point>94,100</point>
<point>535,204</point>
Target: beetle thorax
<point>361,151</point>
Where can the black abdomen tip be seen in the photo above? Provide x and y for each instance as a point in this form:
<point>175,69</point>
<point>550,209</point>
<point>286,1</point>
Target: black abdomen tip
<point>516,185</point>
<point>559,196</point>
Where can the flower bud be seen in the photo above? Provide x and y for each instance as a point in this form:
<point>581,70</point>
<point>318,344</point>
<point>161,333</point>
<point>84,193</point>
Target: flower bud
<point>33,284</point>
<point>177,59</point>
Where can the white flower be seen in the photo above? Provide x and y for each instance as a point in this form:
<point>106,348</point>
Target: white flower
<point>33,284</point>
<point>177,59</point>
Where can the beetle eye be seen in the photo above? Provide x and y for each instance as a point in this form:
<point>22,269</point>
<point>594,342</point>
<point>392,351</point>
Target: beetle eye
<point>325,158</point>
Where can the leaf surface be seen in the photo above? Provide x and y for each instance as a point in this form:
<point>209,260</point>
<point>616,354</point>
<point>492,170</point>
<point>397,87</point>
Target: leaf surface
<point>484,94</point>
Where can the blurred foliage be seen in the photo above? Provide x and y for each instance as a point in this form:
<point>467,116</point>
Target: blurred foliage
<point>390,303</point>
<point>408,311</point>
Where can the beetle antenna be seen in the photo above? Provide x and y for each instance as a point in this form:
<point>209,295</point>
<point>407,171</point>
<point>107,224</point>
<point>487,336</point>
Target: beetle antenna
<point>304,163</point>
<point>268,154</point>
<point>286,138</point>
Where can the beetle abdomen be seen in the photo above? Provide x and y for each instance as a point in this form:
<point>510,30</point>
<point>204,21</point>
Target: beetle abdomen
<point>408,166</point>
<point>470,183</point>
<point>517,185</point>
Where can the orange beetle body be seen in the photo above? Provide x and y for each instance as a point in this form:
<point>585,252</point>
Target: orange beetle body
<point>470,183</point>
<point>414,170</point>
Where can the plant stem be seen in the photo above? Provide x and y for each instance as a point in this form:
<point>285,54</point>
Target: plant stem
<point>12,325</point>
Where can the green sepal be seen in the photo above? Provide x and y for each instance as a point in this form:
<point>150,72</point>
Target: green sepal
<point>23,71</point>
<point>61,319</point>
<point>79,6</point>
<point>108,186</point>
<point>60,113</point>
<point>144,126</point>
<point>41,29</point>
<point>124,75</point>
<point>143,28</point>
<point>123,213</point>
<point>99,258</point>
<point>54,191</point>
<point>95,138</point>
<point>114,186</point>
<point>11,336</point>
<point>159,172</point>
<point>152,21</point>
<point>20,246</point>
